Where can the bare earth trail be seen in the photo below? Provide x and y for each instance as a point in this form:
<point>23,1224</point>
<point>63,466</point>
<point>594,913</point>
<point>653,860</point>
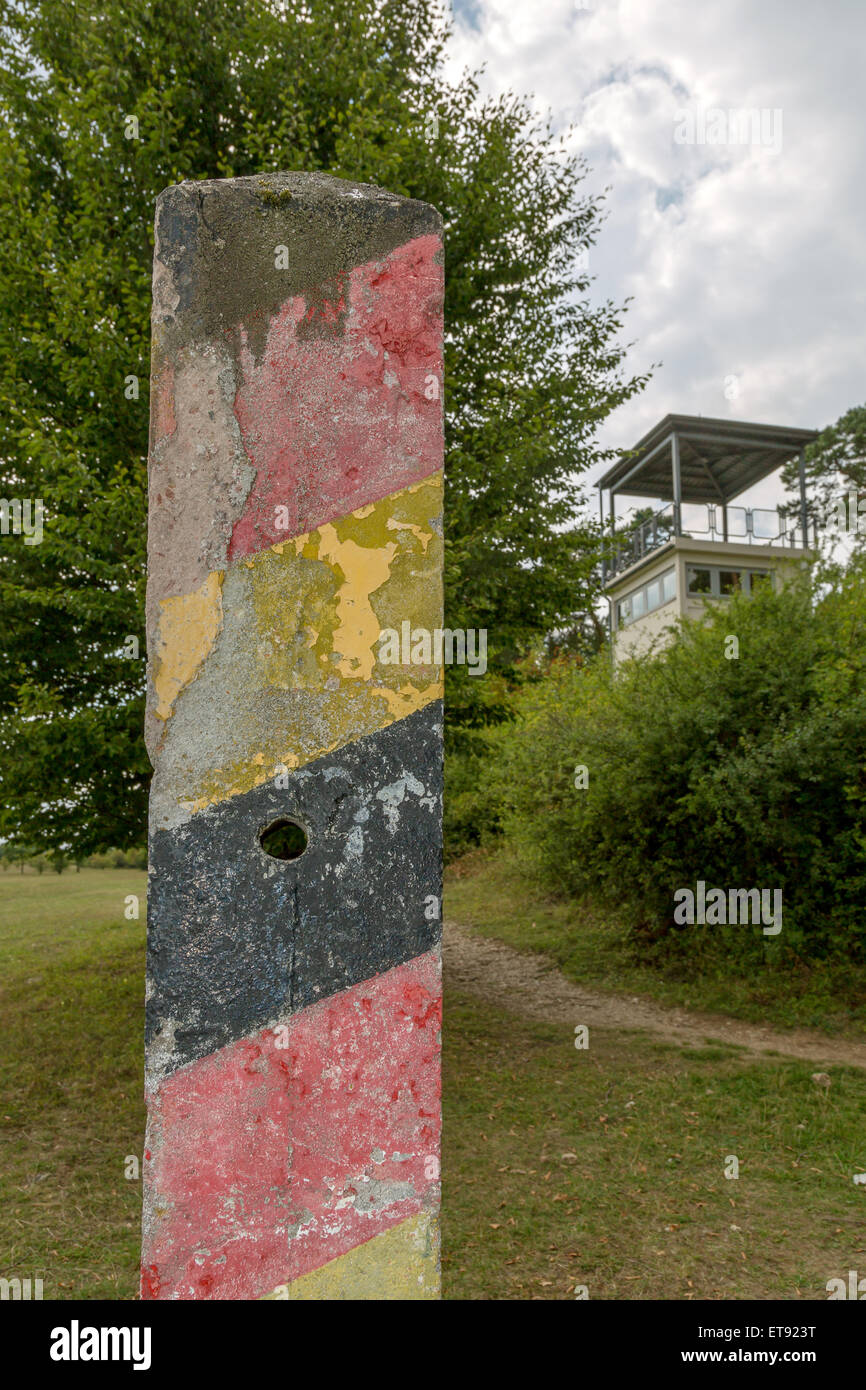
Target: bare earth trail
<point>529,985</point>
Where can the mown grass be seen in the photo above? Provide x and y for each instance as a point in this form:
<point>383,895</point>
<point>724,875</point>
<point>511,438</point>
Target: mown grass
<point>602,1167</point>
<point>487,891</point>
<point>71,1069</point>
<point>605,1168</point>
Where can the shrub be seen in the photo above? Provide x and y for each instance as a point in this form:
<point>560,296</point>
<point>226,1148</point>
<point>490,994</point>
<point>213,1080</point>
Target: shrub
<point>745,772</point>
<point>470,816</point>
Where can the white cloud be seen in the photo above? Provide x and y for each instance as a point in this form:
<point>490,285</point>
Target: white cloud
<point>742,261</point>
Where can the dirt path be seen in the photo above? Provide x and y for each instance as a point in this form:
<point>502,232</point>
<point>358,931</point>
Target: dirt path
<point>527,984</point>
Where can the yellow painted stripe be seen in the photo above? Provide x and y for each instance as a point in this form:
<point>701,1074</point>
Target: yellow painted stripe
<point>188,627</point>
<point>401,1264</point>
<point>278,661</point>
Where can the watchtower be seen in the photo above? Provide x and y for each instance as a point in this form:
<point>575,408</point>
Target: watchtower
<point>699,546</point>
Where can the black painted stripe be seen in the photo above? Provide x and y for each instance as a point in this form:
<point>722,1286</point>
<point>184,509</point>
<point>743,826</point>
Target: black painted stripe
<point>237,938</point>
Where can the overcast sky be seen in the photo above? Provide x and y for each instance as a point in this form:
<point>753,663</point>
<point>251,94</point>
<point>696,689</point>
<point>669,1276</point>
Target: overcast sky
<point>745,260</point>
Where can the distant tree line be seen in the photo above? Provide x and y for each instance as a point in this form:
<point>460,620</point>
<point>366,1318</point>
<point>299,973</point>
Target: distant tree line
<point>23,856</point>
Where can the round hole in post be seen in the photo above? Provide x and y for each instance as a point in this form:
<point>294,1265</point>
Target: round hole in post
<point>283,839</point>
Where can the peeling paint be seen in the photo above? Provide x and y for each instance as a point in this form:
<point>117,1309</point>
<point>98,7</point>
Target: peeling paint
<point>310,929</point>
<point>187,629</point>
<point>258,1152</point>
<point>293,1005</point>
<point>295,672</point>
<point>374,429</point>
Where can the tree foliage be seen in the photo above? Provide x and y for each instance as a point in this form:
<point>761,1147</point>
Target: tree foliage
<point>835,468</point>
<point>743,773</point>
<point>101,108</point>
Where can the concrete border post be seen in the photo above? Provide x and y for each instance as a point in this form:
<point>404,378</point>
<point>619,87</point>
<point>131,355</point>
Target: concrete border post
<point>294,915</point>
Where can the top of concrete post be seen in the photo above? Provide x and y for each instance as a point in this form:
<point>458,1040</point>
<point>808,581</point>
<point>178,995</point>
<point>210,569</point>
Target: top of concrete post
<point>215,256</point>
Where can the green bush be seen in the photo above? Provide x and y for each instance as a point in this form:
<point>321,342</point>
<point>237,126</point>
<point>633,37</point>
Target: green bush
<point>744,772</point>
<point>470,816</point>
<point>135,858</point>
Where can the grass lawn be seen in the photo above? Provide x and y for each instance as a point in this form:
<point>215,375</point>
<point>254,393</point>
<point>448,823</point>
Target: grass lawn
<point>602,1168</point>
<point>489,892</point>
<point>606,1167</point>
<point>71,1105</point>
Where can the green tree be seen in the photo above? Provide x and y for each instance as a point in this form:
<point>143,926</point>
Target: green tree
<point>99,110</point>
<point>835,472</point>
<point>20,854</point>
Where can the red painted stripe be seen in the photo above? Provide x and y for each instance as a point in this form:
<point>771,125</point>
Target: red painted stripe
<point>334,420</point>
<point>269,1161</point>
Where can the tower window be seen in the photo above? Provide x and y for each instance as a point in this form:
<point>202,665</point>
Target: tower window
<point>714,582</point>
<point>654,594</point>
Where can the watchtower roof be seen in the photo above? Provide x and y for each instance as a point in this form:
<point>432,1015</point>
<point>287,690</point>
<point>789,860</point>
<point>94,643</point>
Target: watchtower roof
<point>718,459</point>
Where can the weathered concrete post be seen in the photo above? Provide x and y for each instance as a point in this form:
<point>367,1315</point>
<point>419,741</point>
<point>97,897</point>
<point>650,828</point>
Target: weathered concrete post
<point>293,1007</point>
